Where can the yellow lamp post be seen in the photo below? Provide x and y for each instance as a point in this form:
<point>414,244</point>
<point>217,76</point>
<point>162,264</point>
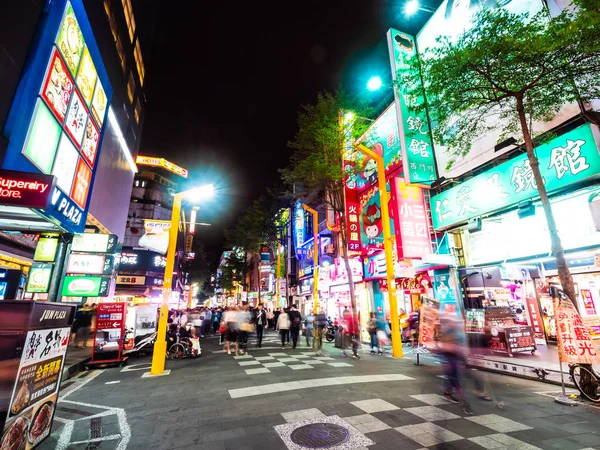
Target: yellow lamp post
<point>387,246</point>
<point>160,346</point>
<point>315,215</point>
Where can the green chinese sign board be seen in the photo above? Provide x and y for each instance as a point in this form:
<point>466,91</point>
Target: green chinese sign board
<point>565,160</point>
<point>415,138</point>
<point>81,286</point>
<point>39,278</point>
<point>382,138</point>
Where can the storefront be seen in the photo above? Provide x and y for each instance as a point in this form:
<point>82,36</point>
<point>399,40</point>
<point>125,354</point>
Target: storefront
<point>508,269</point>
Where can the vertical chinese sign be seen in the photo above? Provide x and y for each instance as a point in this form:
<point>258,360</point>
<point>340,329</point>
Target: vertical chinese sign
<point>371,224</point>
<point>575,343</point>
<point>415,138</point>
<point>352,209</point>
<point>412,233</point>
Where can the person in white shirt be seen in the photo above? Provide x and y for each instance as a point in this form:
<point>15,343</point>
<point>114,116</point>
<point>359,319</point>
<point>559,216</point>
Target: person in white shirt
<point>283,326</point>
<point>231,322</point>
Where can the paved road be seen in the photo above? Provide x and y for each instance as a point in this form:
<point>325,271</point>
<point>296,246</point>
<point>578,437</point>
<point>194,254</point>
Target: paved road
<point>277,399</point>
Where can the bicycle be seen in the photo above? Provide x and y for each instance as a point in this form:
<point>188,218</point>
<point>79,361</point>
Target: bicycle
<point>586,380</point>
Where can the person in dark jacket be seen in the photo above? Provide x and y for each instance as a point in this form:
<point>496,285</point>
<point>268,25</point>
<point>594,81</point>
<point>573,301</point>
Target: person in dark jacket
<point>295,324</point>
<point>261,323</point>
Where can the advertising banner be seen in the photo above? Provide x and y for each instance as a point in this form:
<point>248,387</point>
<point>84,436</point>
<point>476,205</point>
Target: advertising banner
<point>156,235</point>
<point>536,320</point>
<point>375,267</point>
<point>412,233</point>
<point>81,263</point>
<point>32,397</point>
<point>45,250</point>
<point>371,225</point>
<point>430,310</point>
<point>52,130</point>
<point>567,159</point>
<point>141,261</point>
<point>299,228</point>
<point>413,125</point>
<point>131,279</point>
<point>519,339</point>
<point>352,221</point>
<point>474,321</point>
<point>588,302</point>
<point>382,138</point>
<point>110,326</point>
<point>161,162</point>
<point>25,189</point>
<point>575,343</point>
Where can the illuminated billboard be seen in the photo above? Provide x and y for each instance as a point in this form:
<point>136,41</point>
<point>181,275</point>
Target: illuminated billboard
<point>56,121</point>
<point>161,162</point>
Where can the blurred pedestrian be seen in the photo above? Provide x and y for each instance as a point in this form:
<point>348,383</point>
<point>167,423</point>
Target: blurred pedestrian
<point>230,318</point>
<point>261,322</point>
<point>309,321</point>
<point>283,326</point>
<point>320,325</point>
<point>245,326</point>
<point>271,319</point>
<point>372,330</point>
<point>351,333</point>
<point>295,324</point>
<point>216,320</point>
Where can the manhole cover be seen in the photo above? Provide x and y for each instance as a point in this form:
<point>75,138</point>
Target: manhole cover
<point>319,435</point>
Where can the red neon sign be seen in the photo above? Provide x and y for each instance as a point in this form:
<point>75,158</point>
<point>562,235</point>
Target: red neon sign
<point>25,189</point>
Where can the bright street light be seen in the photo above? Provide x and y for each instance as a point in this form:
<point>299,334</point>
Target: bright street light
<point>411,7</point>
<point>374,83</point>
<point>349,116</point>
<point>199,193</point>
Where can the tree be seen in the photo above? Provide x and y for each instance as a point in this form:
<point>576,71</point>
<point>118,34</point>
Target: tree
<point>519,70</point>
<point>316,173</point>
<point>233,271</point>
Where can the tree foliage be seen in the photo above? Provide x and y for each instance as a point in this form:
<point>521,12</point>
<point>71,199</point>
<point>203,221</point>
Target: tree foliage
<point>233,271</point>
<point>508,72</point>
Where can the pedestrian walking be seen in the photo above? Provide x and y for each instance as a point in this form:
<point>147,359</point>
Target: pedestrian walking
<point>244,319</point>
<point>283,326</point>
<point>295,324</point>
<point>320,325</point>
<point>271,319</point>
<point>372,330</point>
<point>261,322</point>
<point>309,321</point>
<point>351,332</point>
<point>216,320</point>
<point>231,332</point>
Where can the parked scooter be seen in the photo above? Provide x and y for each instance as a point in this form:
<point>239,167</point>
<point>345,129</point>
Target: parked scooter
<point>330,332</point>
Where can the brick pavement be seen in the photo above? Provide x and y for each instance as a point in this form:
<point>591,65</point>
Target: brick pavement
<point>376,403</point>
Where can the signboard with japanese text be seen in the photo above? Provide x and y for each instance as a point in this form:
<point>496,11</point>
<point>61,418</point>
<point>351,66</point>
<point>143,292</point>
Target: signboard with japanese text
<point>415,137</point>
<point>412,233</point>
<point>36,360</point>
<point>474,321</point>
<point>52,131</point>
<point>352,221</point>
<point>575,343</point>
<point>415,285</point>
<point>90,264</point>
<point>25,189</point>
<point>131,279</point>
<point>86,286</point>
<point>95,243</point>
<point>430,310</point>
<point>110,325</point>
<point>536,320</point>
<point>140,261</point>
<point>381,138</point>
<point>567,159</point>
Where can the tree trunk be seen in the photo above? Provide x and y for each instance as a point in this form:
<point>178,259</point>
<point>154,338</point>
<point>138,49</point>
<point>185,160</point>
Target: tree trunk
<point>564,275</point>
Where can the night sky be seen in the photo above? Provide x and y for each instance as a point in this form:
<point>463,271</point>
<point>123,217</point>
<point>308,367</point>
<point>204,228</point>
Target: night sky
<point>225,81</point>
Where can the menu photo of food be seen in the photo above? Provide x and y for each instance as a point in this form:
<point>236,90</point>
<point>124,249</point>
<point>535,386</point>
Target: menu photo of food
<point>90,143</point>
<point>86,76</point>
<point>15,434</point>
<point>39,427</point>
<point>76,118</point>
<point>58,87</point>
<point>70,40</point>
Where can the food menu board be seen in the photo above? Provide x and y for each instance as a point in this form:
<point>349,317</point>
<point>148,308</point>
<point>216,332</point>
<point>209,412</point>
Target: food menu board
<point>474,321</point>
<point>34,392</point>
<point>520,339</point>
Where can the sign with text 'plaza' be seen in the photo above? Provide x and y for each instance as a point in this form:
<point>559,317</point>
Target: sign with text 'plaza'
<point>567,159</point>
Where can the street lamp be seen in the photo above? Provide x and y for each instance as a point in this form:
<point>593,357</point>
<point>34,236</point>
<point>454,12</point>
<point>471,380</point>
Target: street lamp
<point>387,246</point>
<point>412,6</point>
<point>160,345</point>
<point>374,83</point>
